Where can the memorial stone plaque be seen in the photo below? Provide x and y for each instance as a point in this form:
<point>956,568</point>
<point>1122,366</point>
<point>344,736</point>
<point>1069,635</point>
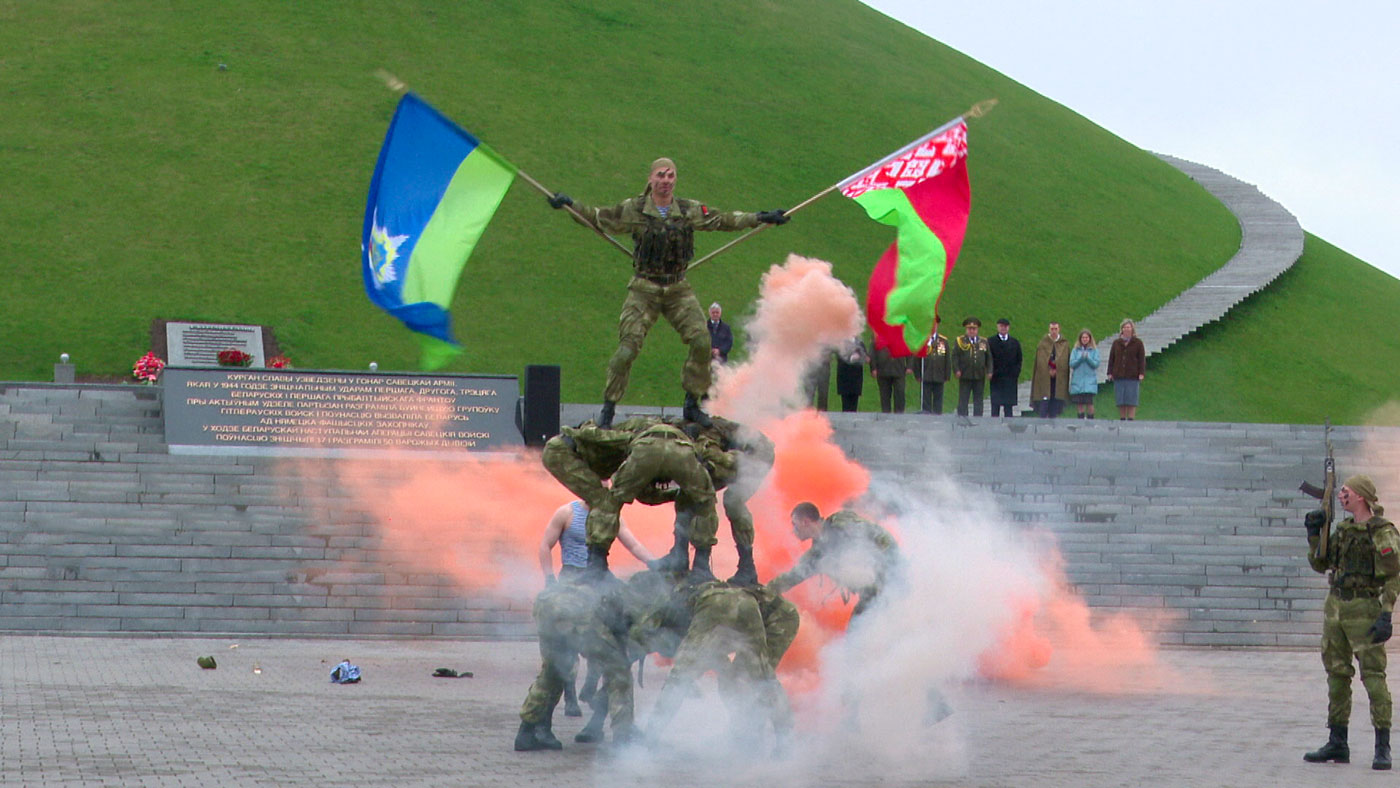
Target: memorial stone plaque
<point>231,410</point>
<point>199,344</point>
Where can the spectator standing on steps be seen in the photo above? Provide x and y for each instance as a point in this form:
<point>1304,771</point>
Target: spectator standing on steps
<point>1050,380</point>
<point>1083,373</point>
<point>850,373</point>
<point>1127,365</point>
<point>933,370</point>
<point>1006,369</point>
<point>889,373</point>
<point>972,363</point>
<point>721,336</point>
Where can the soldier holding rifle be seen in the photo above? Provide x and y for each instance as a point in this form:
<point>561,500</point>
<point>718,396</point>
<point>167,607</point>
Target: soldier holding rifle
<point>1362,561</point>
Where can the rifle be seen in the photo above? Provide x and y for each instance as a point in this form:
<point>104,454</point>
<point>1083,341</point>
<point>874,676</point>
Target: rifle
<point>1327,493</point>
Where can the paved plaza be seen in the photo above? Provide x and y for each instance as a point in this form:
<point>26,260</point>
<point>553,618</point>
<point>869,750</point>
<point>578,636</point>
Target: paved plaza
<point>137,711</point>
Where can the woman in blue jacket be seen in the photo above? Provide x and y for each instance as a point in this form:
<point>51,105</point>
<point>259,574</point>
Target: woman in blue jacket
<point>1083,379</point>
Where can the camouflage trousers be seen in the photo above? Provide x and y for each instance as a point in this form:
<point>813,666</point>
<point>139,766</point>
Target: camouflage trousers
<point>570,470</point>
<point>728,621</point>
<point>737,493</point>
<point>568,624</point>
<point>654,458</point>
<point>647,301</point>
<point>1345,644</point>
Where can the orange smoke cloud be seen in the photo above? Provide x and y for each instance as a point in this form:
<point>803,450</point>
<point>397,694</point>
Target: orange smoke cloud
<point>1053,640</point>
<point>477,520</point>
<point>802,312</point>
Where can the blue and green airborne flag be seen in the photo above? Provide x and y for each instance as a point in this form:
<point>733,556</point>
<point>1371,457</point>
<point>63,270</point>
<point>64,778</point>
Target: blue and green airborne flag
<point>434,190</point>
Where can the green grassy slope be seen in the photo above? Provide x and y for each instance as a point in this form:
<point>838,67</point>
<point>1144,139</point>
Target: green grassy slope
<point>1319,342</point>
<point>143,182</point>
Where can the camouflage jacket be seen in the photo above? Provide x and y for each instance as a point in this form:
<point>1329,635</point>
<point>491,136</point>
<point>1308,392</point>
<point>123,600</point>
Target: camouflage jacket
<point>726,445</point>
<point>663,245</point>
<point>851,550</point>
<point>1362,557</point>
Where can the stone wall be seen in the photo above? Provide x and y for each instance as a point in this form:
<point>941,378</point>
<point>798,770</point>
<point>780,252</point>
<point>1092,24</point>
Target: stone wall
<point>102,530</point>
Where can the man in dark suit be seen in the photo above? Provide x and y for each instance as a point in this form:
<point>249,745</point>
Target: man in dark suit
<point>1006,369</point>
<point>721,337</point>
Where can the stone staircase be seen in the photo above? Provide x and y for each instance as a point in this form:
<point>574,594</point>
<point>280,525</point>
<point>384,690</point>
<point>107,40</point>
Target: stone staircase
<point>1271,241</point>
<point>1198,525</point>
<point>102,530</point>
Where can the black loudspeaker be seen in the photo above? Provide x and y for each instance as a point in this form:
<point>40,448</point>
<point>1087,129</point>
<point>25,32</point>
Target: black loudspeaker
<point>539,414</point>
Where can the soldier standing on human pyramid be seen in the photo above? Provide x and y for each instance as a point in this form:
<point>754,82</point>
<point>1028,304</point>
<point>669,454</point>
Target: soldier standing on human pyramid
<point>663,235</point>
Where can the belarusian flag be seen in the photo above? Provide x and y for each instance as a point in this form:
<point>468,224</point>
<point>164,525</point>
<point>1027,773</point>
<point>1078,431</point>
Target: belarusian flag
<point>922,190</point>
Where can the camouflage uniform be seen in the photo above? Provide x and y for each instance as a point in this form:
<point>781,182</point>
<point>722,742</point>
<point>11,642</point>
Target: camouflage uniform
<point>581,457</point>
<point>756,625</point>
<point>1363,565</point>
<point>738,467</point>
<point>855,553</point>
<point>660,451</point>
<point>572,620</point>
<point>662,248</point>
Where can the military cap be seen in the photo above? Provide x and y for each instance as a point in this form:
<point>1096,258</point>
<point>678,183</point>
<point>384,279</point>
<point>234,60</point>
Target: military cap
<point>1001,321</point>
<point>972,321</point>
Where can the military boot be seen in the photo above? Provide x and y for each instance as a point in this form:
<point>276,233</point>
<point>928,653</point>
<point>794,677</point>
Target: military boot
<point>747,575</point>
<point>605,415</point>
<point>1336,748</point>
<point>544,734</point>
<point>525,739</point>
<point>677,560</point>
<point>692,412</point>
<point>597,569</point>
<point>1382,760</point>
<point>700,570</point>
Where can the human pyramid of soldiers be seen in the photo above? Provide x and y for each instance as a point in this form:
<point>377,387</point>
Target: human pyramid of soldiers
<point>677,608</point>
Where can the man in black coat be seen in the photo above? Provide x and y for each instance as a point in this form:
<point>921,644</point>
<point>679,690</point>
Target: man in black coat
<point>721,337</point>
<point>850,373</point>
<point>1006,369</point>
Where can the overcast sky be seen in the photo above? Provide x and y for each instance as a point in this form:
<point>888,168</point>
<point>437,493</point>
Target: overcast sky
<point>1297,98</point>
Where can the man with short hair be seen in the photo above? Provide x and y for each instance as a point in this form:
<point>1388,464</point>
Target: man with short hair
<point>663,234</point>
<point>889,373</point>
<point>932,370</point>
<point>972,363</point>
<point>721,336</point>
<point>1006,369</point>
<point>1362,563</point>
<point>858,555</point>
<point>1050,380</point>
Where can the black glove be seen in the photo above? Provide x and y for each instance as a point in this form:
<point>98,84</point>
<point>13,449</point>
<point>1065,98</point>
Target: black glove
<point>559,200</point>
<point>1313,521</point>
<point>774,217</point>
<point>1380,631</point>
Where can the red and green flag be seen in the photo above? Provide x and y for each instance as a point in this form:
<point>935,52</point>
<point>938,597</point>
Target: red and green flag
<point>923,192</point>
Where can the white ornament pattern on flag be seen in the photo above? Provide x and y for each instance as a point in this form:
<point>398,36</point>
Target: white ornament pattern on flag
<point>925,159</point>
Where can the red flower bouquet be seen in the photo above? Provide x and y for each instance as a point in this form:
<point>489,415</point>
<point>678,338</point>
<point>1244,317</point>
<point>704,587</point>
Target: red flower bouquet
<point>234,358</point>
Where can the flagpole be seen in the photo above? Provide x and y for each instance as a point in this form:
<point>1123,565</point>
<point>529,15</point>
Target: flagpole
<point>397,85</point>
<point>574,212</point>
<point>977,110</point>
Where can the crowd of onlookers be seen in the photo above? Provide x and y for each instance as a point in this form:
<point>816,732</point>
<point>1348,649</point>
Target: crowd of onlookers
<point>1063,371</point>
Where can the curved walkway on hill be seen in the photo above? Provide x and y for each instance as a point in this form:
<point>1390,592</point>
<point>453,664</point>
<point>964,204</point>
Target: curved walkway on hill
<point>1271,241</point>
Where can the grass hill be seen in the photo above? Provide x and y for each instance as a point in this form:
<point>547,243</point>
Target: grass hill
<point>146,181</point>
